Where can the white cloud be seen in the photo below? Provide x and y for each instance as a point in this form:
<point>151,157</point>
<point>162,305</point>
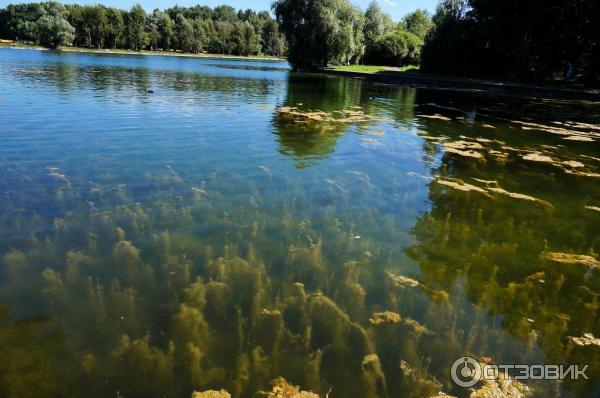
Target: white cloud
<point>390,2</point>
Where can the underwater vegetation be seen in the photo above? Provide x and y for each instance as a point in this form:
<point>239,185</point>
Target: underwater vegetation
<point>294,236</point>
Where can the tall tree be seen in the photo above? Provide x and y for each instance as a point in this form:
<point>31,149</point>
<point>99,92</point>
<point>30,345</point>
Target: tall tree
<point>320,32</point>
<point>418,23</point>
<point>377,23</point>
<point>115,30</point>
<point>272,40</point>
<point>166,27</point>
<point>137,37</point>
<point>225,13</point>
<point>54,31</point>
<point>185,34</point>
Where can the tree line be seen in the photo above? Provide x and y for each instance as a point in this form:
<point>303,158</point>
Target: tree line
<point>335,33</point>
<point>324,32</point>
<point>219,30</point>
<point>508,39</point>
<point>526,40</point>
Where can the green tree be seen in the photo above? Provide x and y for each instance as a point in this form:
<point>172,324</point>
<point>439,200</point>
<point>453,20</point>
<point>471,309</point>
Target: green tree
<point>377,23</point>
<point>222,37</point>
<point>321,32</point>
<point>21,20</point>
<point>397,48</point>
<point>418,23</point>
<point>97,23</point>
<point>115,30</point>
<point>273,42</point>
<point>446,45</point>
<point>167,31</point>
<point>185,34</point>
<point>245,41</point>
<point>225,13</point>
<point>54,31</point>
<point>201,36</point>
<point>137,37</point>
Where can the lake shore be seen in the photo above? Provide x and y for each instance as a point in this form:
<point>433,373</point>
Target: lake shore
<point>386,75</point>
<point>82,50</point>
<point>413,78</point>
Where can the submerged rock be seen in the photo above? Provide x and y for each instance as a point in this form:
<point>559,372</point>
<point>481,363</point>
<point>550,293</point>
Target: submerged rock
<point>283,389</point>
<point>460,185</point>
<point>587,339</point>
<point>341,116</point>
<point>464,149</point>
<point>491,187</point>
<point>380,318</point>
<point>435,117</point>
<point>568,258</point>
<point>566,165</point>
<point>503,387</point>
<point>521,196</point>
<point>211,394</point>
<point>400,280</point>
<point>537,157</point>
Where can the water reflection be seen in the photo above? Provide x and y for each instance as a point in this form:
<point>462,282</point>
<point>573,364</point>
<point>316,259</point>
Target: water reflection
<point>311,131</point>
<point>141,82</point>
<point>307,141</point>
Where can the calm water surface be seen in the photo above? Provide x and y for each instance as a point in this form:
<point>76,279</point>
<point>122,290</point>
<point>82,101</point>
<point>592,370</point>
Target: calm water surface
<point>171,224</point>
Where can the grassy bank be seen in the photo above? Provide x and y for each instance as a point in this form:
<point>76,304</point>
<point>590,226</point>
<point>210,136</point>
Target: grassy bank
<point>167,53</point>
<point>372,68</point>
<point>21,46</point>
<point>146,52</point>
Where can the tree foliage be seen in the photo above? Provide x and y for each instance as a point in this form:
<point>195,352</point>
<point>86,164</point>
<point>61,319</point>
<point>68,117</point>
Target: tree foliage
<point>418,23</point>
<point>190,29</point>
<point>530,39</point>
<point>54,31</point>
<point>397,47</point>
<point>321,32</point>
<point>394,44</point>
<point>377,23</point>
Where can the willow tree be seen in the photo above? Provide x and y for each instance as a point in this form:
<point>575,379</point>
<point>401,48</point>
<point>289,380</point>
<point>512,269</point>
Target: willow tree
<point>321,32</point>
<point>54,31</point>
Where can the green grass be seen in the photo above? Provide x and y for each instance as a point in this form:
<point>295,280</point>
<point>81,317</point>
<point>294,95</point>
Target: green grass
<point>372,68</point>
<point>160,52</point>
<point>19,45</point>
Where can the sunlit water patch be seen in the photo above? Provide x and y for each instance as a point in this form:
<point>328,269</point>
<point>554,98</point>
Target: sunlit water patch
<point>170,225</point>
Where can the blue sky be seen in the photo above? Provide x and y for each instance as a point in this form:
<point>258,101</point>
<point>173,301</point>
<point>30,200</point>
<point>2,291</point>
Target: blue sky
<point>396,8</point>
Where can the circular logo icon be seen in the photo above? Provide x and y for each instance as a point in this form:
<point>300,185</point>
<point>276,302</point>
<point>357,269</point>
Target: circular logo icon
<point>466,372</point>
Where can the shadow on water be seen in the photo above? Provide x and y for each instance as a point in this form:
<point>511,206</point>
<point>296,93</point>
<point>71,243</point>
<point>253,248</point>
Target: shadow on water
<point>304,141</point>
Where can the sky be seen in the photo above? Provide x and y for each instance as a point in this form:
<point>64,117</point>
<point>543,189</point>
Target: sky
<point>396,8</point>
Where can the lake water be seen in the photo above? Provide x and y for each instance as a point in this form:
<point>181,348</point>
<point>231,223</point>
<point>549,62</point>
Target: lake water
<point>170,225</point>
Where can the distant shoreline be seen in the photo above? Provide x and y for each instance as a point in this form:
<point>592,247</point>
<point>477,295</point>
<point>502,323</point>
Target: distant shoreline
<point>81,50</point>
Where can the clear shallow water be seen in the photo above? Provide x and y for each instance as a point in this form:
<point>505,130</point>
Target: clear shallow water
<point>170,225</point>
